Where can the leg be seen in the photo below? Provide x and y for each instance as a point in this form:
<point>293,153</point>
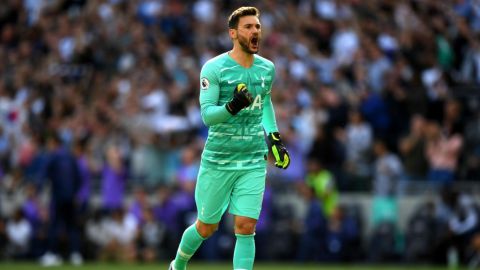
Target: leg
<point>247,197</point>
<point>206,230</point>
<point>212,195</point>
<point>71,224</point>
<point>244,254</point>
<point>53,228</point>
<point>191,240</point>
<point>50,258</point>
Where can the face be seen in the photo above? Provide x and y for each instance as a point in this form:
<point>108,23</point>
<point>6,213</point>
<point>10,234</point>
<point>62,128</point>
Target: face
<point>417,124</point>
<point>248,34</point>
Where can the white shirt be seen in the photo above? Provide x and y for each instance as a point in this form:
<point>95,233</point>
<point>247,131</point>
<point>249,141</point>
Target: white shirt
<point>19,232</point>
<point>124,231</point>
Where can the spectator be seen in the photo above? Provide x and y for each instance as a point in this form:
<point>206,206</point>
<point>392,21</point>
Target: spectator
<point>83,194</point>
<point>139,204</point>
<point>62,171</point>
<point>96,237</point>
<point>341,236</point>
<point>443,152</point>
<point>374,108</point>
<point>187,172</point>
<point>422,230</point>
<point>323,185</point>
<point>358,142</point>
<point>37,215</point>
<point>19,232</point>
<point>125,73</point>
<point>459,219</point>
<point>264,225</point>
<point>313,228</point>
<point>412,149</point>
<point>328,149</point>
<point>152,234</point>
<point>378,66</point>
<point>388,170</point>
<point>463,225</point>
<point>147,161</point>
<point>452,122</point>
<point>121,231</point>
<point>114,177</point>
<point>166,211</point>
<point>472,147</point>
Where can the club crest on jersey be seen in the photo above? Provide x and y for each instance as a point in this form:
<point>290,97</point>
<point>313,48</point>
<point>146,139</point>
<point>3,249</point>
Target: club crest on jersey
<point>204,83</point>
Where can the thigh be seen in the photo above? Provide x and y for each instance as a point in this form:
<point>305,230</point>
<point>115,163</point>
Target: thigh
<point>212,193</point>
<point>247,194</point>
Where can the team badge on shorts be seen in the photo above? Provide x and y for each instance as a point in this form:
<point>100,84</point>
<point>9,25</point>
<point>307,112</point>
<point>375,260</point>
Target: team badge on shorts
<point>204,83</point>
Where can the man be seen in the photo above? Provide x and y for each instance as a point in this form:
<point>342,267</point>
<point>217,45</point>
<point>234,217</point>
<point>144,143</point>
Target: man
<point>236,106</point>
<point>61,170</point>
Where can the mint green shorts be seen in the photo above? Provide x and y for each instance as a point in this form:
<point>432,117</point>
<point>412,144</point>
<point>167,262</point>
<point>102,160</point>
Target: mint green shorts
<point>241,191</point>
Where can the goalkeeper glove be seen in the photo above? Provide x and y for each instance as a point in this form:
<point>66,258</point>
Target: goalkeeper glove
<point>280,153</point>
<point>241,99</point>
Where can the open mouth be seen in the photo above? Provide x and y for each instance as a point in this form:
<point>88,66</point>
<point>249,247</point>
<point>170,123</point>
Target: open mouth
<point>254,41</point>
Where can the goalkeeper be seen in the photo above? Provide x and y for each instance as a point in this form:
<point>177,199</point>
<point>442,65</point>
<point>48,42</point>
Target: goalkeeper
<point>236,106</point>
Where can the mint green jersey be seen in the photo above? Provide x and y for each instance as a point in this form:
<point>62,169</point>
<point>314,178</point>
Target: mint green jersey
<point>236,142</point>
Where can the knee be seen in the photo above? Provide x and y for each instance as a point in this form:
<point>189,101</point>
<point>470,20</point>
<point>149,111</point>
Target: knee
<point>245,227</point>
<point>206,230</point>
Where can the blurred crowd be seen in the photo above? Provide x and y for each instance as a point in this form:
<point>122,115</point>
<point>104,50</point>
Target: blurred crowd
<point>370,96</point>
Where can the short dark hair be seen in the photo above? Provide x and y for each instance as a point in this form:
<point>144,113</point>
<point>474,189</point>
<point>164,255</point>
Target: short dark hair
<point>241,12</point>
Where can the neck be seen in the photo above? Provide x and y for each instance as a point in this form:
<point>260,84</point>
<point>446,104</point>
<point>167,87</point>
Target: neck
<point>242,58</point>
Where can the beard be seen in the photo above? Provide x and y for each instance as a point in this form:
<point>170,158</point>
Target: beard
<point>245,44</point>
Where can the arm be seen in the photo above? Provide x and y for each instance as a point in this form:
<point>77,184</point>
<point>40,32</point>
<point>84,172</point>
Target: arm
<point>269,122</point>
<point>211,112</point>
<point>42,176</point>
<point>277,148</point>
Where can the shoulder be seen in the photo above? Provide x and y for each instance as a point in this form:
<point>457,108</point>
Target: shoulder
<point>215,62</point>
<point>263,62</point>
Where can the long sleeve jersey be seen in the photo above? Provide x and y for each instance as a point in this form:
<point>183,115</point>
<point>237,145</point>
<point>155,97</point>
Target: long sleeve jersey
<point>236,142</point>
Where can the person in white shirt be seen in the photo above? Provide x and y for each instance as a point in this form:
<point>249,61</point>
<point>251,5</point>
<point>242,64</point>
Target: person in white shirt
<point>121,232</point>
<point>19,232</point>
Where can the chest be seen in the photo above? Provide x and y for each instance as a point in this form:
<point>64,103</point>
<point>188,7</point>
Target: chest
<point>258,81</point>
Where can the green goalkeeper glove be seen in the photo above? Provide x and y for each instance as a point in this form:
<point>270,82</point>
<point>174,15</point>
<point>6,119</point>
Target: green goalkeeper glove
<point>279,152</point>
<point>241,99</point>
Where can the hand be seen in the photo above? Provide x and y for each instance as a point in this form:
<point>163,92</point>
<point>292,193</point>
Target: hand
<point>279,152</point>
<point>241,99</point>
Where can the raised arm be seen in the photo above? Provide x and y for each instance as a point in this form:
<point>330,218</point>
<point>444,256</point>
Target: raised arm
<point>212,113</point>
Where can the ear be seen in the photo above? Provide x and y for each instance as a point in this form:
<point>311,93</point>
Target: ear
<point>232,33</point>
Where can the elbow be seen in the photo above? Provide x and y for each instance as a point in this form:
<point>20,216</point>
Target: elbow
<point>207,123</point>
<point>207,120</point>
<point>214,115</point>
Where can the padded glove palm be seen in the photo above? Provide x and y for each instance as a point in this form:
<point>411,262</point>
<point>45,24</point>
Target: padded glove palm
<point>279,151</point>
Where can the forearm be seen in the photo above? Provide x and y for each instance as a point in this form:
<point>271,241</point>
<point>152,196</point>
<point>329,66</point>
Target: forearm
<point>211,111</point>
<point>213,114</point>
<point>268,120</point>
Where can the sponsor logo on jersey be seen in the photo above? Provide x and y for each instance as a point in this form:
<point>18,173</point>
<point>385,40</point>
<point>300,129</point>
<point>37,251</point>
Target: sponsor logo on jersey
<point>204,83</point>
<point>256,104</point>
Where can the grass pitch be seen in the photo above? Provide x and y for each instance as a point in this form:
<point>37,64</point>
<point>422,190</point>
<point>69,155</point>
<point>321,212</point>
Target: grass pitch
<point>213,266</point>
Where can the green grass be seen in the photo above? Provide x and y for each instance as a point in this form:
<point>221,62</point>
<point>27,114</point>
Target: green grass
<point>214,266</point>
